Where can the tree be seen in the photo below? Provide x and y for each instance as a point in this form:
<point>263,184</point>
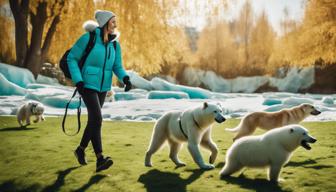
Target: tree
<point>312,41</point>
<point>283,46</point>
<point>7,53</point>
<point>69,29</point>
<point>316,38</point>
<point>20,13</point>
<point>38,14</point>
<point>288,25</point>
<point>261,45</point>
<point>245,24</point>
<point>217,49</point>
<point>147,41</point>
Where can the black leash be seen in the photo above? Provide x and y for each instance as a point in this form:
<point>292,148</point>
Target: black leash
<point>180,123</point>
<point>81,63</point>
<point>196,122</point>
<point>78,114</point>
<point>182,129</point>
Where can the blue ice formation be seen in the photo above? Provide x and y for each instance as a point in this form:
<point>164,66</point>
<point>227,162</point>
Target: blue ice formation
<point>167,95</point>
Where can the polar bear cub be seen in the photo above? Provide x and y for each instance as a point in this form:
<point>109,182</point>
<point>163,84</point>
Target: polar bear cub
<point>29,109</point>
<point>192,126</point>
<point>272,149</point>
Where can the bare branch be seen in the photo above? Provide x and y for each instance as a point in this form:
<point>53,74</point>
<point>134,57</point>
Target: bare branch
<point>48,38</point>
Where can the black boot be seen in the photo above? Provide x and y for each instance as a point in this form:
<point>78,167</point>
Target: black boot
<point>80,155</point>
<point>103,163</point>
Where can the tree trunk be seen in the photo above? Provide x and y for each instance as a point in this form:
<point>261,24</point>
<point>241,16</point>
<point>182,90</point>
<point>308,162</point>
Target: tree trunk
<point>50,34</point>
<point>52,29</point>
<point>20,13</point>
<point>246,37</point>
<point>34,56</point>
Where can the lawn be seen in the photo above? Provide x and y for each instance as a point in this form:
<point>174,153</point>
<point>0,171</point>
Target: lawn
<point>40,158</point>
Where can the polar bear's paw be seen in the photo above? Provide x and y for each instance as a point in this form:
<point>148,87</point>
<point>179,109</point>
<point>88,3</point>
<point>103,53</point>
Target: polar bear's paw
<point>207,167</point>
<point>276,182</point>
<point>212,159</point>
<point>180,164</point>
<point>281,180</point>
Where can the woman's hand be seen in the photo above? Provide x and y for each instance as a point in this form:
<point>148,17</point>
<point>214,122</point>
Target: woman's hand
<point>127,82</point>
<point>80,87</point>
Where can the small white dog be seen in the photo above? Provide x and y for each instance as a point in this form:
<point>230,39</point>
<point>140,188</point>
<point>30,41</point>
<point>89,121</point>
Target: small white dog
<point>29,109</point>
<point>110,96</point>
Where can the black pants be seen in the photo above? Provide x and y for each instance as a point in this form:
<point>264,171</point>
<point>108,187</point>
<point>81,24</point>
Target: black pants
<point>94,102</point>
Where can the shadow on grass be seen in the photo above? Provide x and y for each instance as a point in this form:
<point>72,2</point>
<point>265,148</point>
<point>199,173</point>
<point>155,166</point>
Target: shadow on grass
<point>155,180</point>
<point>10,185</point>
<point>60,180</point>
<point>300,164</point>
<point>309,164</point>
<point>259,185</point>
<point>17,129</point>
<point>319,167</point>
<point>93,180</point>
<point>220,165</point>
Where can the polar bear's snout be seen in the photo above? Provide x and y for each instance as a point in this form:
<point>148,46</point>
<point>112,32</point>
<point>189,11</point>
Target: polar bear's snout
<point>306,140</point>
<point>219,118</point>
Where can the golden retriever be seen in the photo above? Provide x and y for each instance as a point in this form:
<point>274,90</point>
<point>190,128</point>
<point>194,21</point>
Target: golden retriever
<point>270,120</point>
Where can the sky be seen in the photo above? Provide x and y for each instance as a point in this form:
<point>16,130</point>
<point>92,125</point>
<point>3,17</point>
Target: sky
<point>274,9</point>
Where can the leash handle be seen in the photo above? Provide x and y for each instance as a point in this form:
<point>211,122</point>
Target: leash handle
<point>78,114</point>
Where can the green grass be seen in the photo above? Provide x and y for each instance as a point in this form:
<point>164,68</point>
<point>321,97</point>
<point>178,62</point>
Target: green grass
<point>40,158</point>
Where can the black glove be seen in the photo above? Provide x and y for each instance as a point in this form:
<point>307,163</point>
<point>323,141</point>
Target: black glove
<point>80,87</point>
<point>127,82</point>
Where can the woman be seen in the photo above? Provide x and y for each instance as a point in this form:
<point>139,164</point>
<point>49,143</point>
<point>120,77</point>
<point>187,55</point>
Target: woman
<point>95,80</point>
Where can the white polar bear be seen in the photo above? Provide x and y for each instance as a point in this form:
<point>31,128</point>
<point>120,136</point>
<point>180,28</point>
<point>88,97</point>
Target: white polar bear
<point>272,149</point>
<point>193,126</point>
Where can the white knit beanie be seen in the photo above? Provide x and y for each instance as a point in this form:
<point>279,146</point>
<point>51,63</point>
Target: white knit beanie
<point>103,17</point>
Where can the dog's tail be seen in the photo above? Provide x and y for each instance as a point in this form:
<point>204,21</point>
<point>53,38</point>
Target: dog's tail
<point>236,129</point>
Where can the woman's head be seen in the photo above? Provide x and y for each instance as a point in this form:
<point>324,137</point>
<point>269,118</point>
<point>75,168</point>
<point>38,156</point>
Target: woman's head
<point>111,25</point>
<point>107,22</point>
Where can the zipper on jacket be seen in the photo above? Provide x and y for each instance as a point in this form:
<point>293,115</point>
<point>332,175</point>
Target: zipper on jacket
<point>109,52</point>
<point>102,81</point>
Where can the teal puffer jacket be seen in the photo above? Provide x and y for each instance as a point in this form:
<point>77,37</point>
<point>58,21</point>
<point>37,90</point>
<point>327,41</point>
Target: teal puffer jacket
<point>100,64</point>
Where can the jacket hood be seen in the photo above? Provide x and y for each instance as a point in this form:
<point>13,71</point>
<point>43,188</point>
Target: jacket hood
<point>91,25</point>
